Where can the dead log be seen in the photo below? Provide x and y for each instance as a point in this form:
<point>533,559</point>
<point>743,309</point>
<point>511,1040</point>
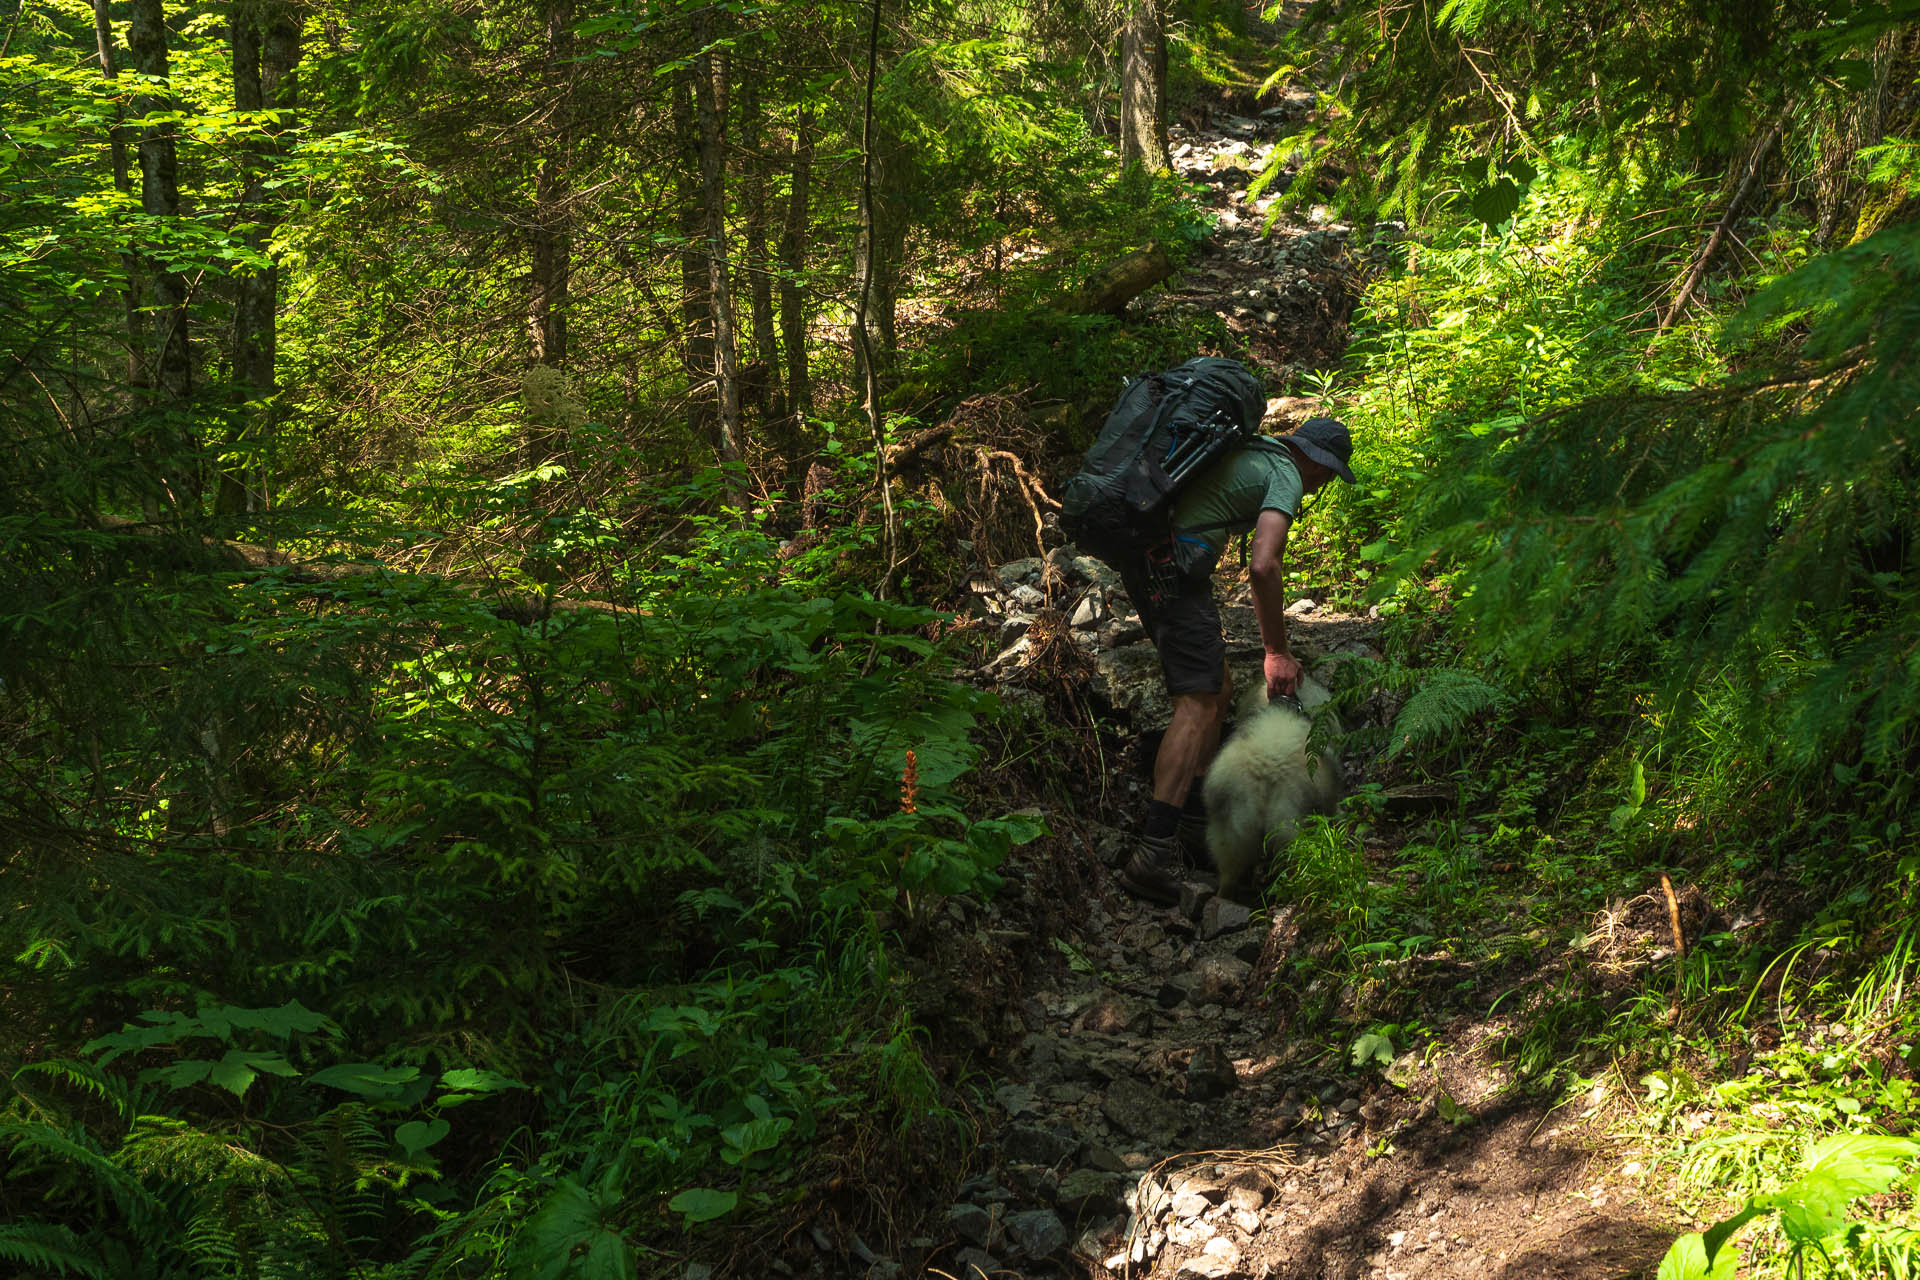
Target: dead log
<point>1108,290</point>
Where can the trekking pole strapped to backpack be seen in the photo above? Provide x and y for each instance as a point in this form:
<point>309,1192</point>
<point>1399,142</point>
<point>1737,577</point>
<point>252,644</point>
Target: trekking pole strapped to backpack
<point>1163,432</point>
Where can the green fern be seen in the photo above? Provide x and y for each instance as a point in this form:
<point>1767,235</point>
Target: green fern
<point>49,1247</point>
<point>74,1151</point>
<point>1444,703</point>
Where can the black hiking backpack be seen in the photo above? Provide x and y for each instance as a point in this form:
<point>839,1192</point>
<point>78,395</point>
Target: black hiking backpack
<point>1163,432</point>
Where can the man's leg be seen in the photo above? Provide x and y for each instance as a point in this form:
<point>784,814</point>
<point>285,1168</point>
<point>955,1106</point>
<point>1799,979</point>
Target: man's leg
<point>1189,744</point>
<point>1193,658</point>
<point>1190,834</point>
<point>1154,870</point>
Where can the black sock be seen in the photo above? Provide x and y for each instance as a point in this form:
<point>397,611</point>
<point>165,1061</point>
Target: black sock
<point>1196,806</point>
<point>1162,818</point>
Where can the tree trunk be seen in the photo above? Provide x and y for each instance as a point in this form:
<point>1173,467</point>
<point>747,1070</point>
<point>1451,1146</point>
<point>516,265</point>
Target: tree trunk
<point>794,314</point>
<point>552,230</point>
<point>709,91</point>
<point>766,393</point>
<point>139,337</point>
<point>877,272</point>
<point>696,285</point>
<point>266,49</point>
<point>1143,88</point>
<point>160,199</point>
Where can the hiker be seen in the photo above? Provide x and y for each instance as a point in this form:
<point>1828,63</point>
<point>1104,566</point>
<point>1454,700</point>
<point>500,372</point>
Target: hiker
<point>1258,487</point>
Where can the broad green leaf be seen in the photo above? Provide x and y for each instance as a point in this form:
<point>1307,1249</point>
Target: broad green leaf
<point>1520,170</point>
<point>1494,203</point>
<point>181,1074</point>
<point>703,1204</point>
<point>1687,1260</point>
<point>1372,1047</point>
<point>1451,1111</point>
<point>290,1018</point>
<point>238,1067</point>
<point>569,1236</point>
<point>416,1136</point>
<point>1717,1235</point>
<point>464,1084</point>
<point>368,1079</point>
<point>1839,1171</point>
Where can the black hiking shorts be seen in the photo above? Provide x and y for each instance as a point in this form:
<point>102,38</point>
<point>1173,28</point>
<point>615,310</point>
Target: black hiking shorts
<point>1182,619</point>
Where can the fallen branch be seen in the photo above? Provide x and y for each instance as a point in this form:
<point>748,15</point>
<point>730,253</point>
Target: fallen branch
<point>1705,259</point>
<point>1673,917</point>
<point>901,451</point>
<point>1108,290</point>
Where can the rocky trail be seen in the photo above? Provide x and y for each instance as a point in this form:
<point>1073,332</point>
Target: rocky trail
<point>1154,1110</point>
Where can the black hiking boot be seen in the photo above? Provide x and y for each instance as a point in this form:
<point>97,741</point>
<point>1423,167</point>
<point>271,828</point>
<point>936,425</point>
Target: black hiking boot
<point>1153,872</point>
<point>1191,839</point>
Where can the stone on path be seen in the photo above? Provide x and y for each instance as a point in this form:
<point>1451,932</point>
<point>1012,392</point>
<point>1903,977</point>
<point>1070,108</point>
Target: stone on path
<point>1139,1111</point>
<point>1210,1074</point>
<point>971,1223</point>
<point>1220,917</point>
<point>1032,1144</point>
<point>975,1264</point>
<point>1220,1259</point>
<point>1038,1233</point>
<point>1220,980</point>
<point>1087,1192</point>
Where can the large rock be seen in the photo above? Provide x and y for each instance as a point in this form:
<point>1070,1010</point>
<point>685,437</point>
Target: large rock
<point>1087,1193</point>
<point>1137,1110</point>
<point>972,1223</point>
<point>1210,1074</point>
<point>1220,980</point>
<point>1016,572</point>
<point>1038,1233</point>
<point>1033,1144</point>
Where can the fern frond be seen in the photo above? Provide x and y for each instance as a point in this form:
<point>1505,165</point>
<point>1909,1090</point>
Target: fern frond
<point>135,1202</point>
<point>1446,700</point>
<point>82,1076</point>
<point>49,1247</point>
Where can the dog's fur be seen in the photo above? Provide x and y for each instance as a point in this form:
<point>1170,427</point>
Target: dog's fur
<point>1260,786</point>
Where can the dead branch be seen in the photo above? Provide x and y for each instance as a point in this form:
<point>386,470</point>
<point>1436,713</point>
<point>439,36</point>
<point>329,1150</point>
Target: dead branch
<point>1707,251</point>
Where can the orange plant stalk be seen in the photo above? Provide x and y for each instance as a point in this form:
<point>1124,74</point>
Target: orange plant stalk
<point>910,784</point>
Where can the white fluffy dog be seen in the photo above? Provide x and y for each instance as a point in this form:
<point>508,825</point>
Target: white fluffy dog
<point>1259,785</point>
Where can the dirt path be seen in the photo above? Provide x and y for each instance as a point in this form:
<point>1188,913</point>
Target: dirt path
<point>1163,1110</point>
<point>1159,1116</point>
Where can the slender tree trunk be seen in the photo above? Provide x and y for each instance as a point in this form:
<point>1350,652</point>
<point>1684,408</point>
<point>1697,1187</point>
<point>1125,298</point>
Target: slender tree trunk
<point>160,199</point>
<point>139,338</point>
<point>696,283</point>
<point>552,228</point>
<point>878,250</point>
<point>768,398</point>
<point>709,87</point>
<point>1143,88</point>
<point>866,359</point>
<point>266,50</point>
<point>795,316</point>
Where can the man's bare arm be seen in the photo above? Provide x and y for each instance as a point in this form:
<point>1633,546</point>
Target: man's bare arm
<point>1265,572</point>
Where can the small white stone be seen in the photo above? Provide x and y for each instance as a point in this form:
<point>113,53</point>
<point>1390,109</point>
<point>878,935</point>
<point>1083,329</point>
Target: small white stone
<point>1223,1248</point>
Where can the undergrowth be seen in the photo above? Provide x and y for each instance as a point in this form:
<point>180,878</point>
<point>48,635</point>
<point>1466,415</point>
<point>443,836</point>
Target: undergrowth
<point>378,924</point>
<point>1645,602</point>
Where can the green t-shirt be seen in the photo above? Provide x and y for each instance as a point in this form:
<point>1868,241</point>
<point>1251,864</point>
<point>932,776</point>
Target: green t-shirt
<point>1230,496</point>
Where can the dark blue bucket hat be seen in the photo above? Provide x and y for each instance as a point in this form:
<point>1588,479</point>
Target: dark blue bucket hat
<point>1327,442</point>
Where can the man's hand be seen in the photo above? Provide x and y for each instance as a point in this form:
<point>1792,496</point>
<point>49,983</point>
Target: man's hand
<point>1283,675</point>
